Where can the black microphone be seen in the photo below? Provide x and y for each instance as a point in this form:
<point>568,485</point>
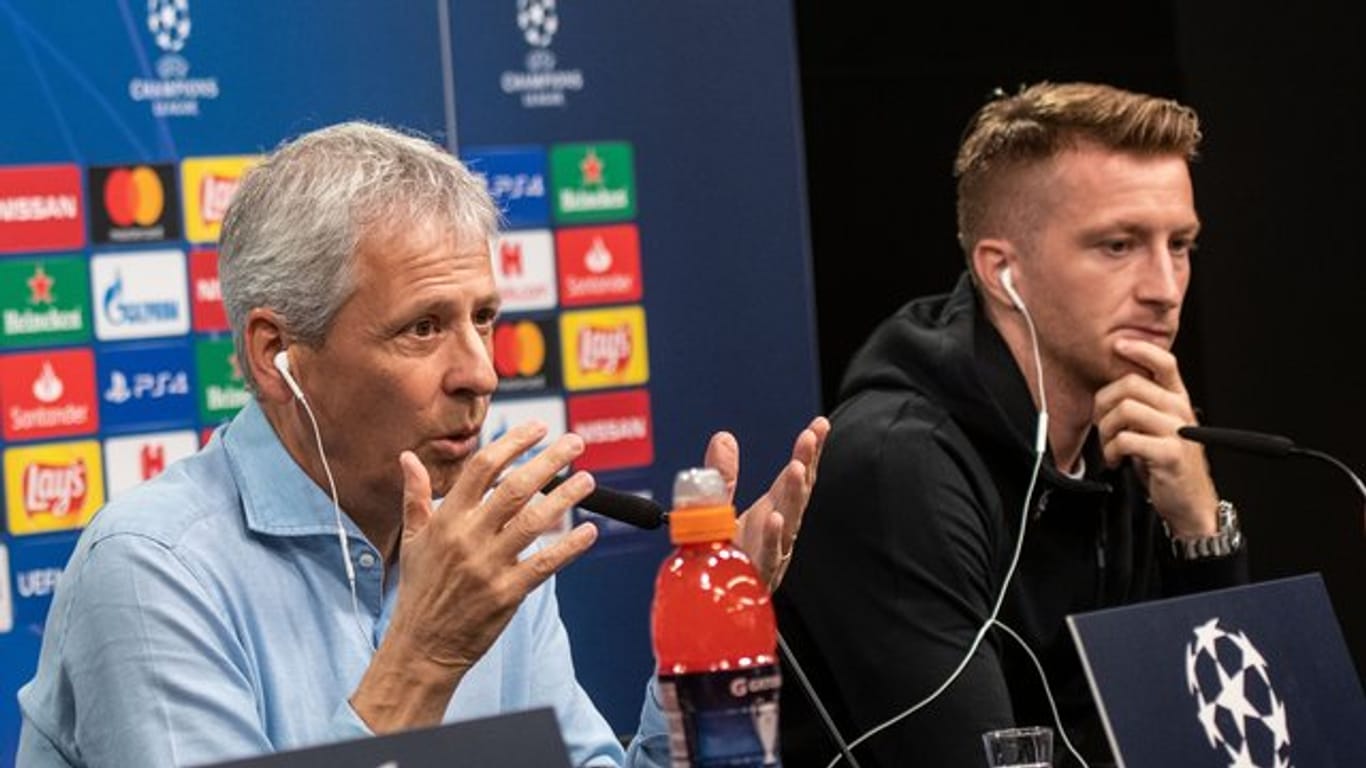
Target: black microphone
<point>1239,439</point>
<point>618,505</point>
<point>1266,445</point>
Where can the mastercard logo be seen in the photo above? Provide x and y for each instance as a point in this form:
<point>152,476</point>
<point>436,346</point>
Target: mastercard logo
<point>518,349</point>
<point>134,196</point>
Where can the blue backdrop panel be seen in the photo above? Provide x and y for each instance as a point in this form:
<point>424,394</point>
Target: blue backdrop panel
<point>702,98</point>
<point>707,95</point>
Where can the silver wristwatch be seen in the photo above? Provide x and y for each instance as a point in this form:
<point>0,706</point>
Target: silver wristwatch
<point>1225,541</point>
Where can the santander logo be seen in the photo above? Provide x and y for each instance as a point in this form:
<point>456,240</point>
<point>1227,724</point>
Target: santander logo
<point>47,388</point>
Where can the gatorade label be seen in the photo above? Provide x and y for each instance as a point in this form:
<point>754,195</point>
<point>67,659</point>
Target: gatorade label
<point>722,718</point>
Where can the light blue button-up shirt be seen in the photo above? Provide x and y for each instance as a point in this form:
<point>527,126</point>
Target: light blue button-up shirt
<point>205,615</point>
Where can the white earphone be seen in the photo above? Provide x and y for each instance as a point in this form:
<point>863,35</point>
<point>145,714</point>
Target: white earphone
<point>282,365</point>
<point>281,361</point>
<point>1008,283</point>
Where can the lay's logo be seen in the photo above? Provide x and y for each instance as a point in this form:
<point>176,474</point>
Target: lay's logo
<point>209,184</point>
<point>604,348</point>
<point>53,487</point>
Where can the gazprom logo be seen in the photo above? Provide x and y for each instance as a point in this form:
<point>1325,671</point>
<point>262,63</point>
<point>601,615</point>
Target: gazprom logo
<point>142,294</point>
<point>119,311</point>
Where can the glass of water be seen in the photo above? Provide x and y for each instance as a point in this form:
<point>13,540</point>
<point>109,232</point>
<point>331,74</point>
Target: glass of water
<point>1027,747</point>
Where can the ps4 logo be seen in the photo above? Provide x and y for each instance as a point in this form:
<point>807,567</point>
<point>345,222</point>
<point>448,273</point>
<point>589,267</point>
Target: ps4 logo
<point>146,384</point>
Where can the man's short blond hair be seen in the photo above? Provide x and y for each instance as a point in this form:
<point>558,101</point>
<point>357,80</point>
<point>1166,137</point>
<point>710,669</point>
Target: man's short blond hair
<point>1012,134</point>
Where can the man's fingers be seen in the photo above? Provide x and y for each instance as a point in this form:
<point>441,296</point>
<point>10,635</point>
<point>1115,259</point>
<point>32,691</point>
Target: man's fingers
<point>723,455</point>
<point>1137,416</point>
<point>1159,362</point>
<point>1138,388</point>
<point>809,453</point>
<point>484,467</point>
<point>1151,450</point>
<point>544,514</point>
<point>535,569</point>
<point>519,486</point>
<point>417,493</point>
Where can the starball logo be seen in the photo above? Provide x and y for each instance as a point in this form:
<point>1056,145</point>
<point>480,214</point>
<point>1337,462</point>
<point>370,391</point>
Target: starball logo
<point>172,93</point>
<point>540,83</point>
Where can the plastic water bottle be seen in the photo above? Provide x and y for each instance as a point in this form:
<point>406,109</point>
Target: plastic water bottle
<point>715,639</point>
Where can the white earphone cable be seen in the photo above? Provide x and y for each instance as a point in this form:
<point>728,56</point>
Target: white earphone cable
<point>336,510</point>
<point>1040,447</point>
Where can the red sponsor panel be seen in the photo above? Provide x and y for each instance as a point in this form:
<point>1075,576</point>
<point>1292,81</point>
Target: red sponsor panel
<point>616,429</point>
<point>49,394</point>
<point>41,208</point>
<point>206,299</point>
<point>598,265</point>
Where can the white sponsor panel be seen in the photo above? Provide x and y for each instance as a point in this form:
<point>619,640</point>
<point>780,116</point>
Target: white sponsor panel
<point>6,599</point>
<point>133,459</point>
<point>139,295</point>
<point>524,269</point>
<point>506,414</point>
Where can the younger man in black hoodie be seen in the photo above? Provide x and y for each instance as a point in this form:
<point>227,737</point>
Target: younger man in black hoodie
<point>1075,198</point>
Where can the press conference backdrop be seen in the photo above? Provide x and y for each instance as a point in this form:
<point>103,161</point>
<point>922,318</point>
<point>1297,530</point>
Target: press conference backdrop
<point>655,267</point>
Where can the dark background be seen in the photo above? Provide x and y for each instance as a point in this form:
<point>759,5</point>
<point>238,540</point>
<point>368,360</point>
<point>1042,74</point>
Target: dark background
<point>1274,316</point>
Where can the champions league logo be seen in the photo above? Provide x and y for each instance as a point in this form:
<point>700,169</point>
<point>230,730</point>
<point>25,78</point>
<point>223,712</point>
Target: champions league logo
<point>538,21</point>
<point>540,84</point>
<point>1236,705</point>
<point>169,21</point>
<point>173,93</point>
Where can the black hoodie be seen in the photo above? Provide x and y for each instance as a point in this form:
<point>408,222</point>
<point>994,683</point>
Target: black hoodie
<point>909,535</point>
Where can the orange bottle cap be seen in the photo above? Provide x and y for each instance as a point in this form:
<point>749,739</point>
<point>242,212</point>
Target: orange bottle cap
<point>692,525</point>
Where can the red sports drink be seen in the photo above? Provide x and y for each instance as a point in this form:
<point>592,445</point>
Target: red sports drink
<point>715,639</point>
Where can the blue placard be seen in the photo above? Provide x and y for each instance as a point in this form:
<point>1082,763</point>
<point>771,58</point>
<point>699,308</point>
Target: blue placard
<point>146,386</point>
<point>516,177</point>
<point>1253,675</point>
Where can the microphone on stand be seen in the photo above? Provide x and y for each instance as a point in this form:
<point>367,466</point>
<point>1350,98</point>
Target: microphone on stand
<point>1266,445</point>
<point>618,505</point>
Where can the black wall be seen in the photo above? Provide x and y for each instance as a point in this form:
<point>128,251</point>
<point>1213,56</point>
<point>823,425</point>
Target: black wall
<point>1277,309</point>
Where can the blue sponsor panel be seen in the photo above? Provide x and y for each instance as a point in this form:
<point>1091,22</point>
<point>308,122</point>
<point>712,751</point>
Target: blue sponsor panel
<point>29,569</point>
<point>516,177</point>
<point>145,386</point>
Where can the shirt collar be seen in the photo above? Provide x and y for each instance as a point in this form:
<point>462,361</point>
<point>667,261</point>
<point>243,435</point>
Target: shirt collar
<point>278,497</point>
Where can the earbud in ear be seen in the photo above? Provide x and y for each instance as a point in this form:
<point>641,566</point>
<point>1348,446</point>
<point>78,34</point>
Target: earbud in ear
<point>282,365</point>
<point>1008,283</point>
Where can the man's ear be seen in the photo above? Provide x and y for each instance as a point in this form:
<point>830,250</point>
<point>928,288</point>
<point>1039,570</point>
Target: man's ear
<point>262,338</point>
<point>991,256</point>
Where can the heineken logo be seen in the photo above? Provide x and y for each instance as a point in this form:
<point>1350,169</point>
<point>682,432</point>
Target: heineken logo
<point>44,301</point>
